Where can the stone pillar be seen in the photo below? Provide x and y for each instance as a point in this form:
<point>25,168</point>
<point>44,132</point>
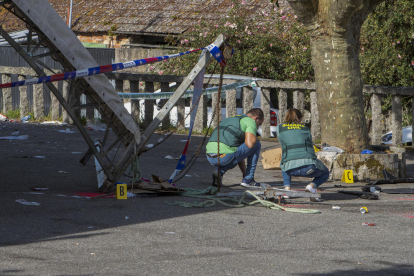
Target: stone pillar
<point>149,104</point>
<point>231,104</point>
<point>165,87</point>
<point>265,106</point>
<point>376,120</point>
<point>247,98</point>
<point>396,120</point>
<point>316,124</point>
<point>7,94</point>
<point>24,100</point>
<point>134,85</point>
<point>214,99</point>
<point>54,108</point>
<point>180,112</point>
<point>38,102</point>
<point>282,98</point>
<point>201,117</point>
<point>299,100</point>
<point>65,91</point>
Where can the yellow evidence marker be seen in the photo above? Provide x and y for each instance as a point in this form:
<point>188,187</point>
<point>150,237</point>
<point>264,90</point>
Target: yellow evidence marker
<point>347,176</point>
<point>121,191</point>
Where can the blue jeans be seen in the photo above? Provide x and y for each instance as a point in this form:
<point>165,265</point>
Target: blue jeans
<point>319,176</point>
<point>229,161</point>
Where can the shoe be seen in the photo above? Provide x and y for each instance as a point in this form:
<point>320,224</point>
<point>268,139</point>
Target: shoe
<point>250,183</point>
<point>216,181</point>
<point>311,188</point>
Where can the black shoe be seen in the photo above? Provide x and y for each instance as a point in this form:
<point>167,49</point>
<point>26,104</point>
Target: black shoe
<point>216,180</point>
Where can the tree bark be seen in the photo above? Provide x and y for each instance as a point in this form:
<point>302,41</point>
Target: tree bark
<point>334,27</point>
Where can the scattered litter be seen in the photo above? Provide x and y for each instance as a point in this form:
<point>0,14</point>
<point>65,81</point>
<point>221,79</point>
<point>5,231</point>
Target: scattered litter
<point>90,227</point>
<point>26,118</point>
<point>241,222</point>
<point>53,123</point>
<point>327,147</point>
<point>3,118</point>
<point>368,224</point>
<point>35,193</point>
<point>367,152</point>
<point>363,210</point>
<point>171,233</point>
<point>339,186</point>
<point>157,186</point>
<point>130,194</point>
<point>14,121</point>
<point>97,126</point>
<point>126,217</point>
<point>372,188</point>
<point>183,141</point>
<point>160,140</point>
<point>15,133</point>
<point>67,131</point>
<point>40,157</point>
<point>24,202</point>
<point>170,157</point>
<point>21,137</point>
<point>76,152</point>
<point>40,189</point>
<point>336,207</point>
<point>149,146</point>
<point>62,172</point>
<point>62,195</point>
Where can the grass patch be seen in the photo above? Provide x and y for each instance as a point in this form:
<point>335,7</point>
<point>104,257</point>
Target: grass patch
<point>13,114</point>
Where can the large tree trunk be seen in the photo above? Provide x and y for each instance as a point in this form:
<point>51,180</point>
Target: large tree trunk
<point>334,27</point>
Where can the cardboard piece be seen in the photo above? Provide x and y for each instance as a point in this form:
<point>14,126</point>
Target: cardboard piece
<point>271,159</point>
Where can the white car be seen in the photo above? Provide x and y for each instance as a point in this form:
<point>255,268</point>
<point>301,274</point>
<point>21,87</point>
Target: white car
<point>407,137</point>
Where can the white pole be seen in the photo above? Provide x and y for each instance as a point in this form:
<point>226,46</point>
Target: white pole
<point>70,14</point>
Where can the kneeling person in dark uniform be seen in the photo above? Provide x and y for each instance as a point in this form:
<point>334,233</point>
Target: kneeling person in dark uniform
<point>237,142</point>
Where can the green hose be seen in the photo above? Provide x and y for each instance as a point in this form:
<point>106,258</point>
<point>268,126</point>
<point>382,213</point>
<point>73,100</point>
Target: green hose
<point>209,195</point>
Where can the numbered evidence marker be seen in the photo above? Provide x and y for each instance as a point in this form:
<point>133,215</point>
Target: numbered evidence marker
<point>121,191</point>
<point>347,176</point>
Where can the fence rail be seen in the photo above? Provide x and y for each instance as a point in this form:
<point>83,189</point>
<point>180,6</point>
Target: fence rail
<point>38,99</point>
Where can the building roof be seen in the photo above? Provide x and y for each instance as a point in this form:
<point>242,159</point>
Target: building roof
<point>150,17</point>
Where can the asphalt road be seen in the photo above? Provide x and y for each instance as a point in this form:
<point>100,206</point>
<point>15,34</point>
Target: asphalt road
<point>69,234</point>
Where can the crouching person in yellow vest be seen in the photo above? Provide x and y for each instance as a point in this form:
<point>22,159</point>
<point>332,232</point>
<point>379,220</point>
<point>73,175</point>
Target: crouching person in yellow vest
<point>298,154</point>
<point>237,142</point>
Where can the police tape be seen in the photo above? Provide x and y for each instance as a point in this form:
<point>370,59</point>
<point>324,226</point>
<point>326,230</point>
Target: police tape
<point>188,93</point>
<point>214,50</point>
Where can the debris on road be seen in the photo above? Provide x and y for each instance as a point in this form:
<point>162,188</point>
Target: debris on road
<point>21,137</point>
<point>24,202</point>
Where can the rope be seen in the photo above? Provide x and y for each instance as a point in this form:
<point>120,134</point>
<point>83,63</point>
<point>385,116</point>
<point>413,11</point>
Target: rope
<point>210,200</point>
